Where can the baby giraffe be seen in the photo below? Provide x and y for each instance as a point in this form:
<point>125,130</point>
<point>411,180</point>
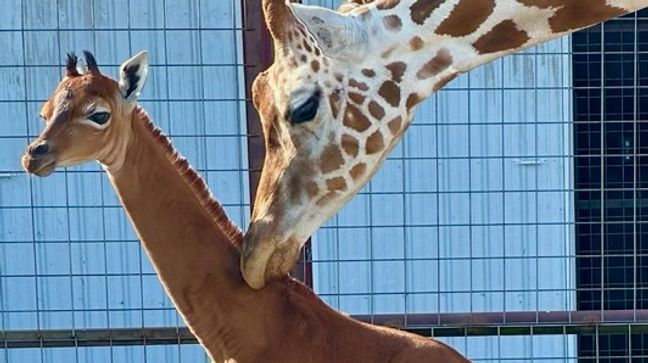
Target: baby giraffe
<point>192,243</point>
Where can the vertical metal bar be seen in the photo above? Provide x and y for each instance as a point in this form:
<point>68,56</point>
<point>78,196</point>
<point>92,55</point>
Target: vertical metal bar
<point>603,166</point>
<point>257,55</point>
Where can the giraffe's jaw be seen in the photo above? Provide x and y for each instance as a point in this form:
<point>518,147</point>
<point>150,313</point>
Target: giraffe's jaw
<point>261,262</point>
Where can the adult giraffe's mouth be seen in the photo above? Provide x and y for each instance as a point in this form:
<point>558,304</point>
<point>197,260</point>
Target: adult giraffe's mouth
<point>263,261</point>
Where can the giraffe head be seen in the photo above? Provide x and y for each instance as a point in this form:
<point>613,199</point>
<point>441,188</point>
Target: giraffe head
<point>330,113</point>
<point>87,117</point>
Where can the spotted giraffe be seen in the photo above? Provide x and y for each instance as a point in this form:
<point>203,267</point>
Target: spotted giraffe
<point>344,86</point>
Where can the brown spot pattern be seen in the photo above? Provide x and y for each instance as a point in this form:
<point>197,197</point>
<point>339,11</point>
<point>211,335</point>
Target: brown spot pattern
<point>358,171</point>
<point>336,184</point>
<point>312,189</point>
<point>355,119</point>
<point>397,70</point>
<point>331,159</point>
<point>350,145</point>
<point>466,17</point>
<point>387,52</point>
<point>375,143</point>
<point>307,47</point>
<point>359,85</point>
<point>441,61</point>
<point>390,92</point>
<point>412,100</point>
<point>416,43</point>
<point>573,14</point>
<point>326,198</point>
<point>422,9</point>
<point>395,125</point>
<point>356,97</point>
<point>376,110</point>
<point>387,4</point>
<point>393,22</point>
<point>504,36</point>
<point>334,102</point>
<point>368,73</point>
<point>443,81</point>
<point>315,66</point>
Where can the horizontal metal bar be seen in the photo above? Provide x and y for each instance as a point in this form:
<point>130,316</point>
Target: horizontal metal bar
<point>428,325</point>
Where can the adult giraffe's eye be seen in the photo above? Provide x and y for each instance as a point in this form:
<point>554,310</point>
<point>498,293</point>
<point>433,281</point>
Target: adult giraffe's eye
<point>99,117</point>
<point>306,111</point>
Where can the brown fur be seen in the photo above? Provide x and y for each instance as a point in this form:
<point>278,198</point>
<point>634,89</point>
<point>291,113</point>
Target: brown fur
<point>393,22</point>
<point>504,36</point>
<point>382,4</point>
<point>331,159</point>
<point>416,43</point>
<point>376,110</point>
<point>193,246</point>
<point>466,17</point>
<point>575,15</point>
<point>422,9</point>
<point>390,91</point>
<point>356,119</point>
<point>395,125</point>
<point>397,70</point>
<point>358,171</point>
<point>441,61</point>
<point>350,145</point>
<point>375,143</point>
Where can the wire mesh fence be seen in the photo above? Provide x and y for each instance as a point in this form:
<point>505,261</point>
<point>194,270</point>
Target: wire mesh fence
<point>509,222</point>
<point>70,260</point>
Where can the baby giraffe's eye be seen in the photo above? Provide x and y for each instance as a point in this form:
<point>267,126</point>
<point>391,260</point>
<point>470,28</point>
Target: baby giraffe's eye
<point>306,111</point>
<point>99,117</point>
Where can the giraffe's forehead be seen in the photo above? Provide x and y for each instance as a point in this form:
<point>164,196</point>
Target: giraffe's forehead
<point>78,94</point>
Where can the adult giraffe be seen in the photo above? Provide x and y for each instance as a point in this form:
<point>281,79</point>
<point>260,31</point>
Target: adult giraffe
<point>190,240</point>
<point>344,86</point>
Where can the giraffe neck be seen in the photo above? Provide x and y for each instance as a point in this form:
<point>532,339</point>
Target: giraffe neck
<point>193,248</point>
<point>185,233</point>
<point>438,39</point>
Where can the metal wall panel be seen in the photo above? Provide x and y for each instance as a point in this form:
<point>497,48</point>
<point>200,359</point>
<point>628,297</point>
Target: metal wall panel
<point>68,255</point>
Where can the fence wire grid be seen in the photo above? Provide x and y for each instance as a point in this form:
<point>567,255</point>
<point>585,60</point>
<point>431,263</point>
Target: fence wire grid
<point>510,222</point>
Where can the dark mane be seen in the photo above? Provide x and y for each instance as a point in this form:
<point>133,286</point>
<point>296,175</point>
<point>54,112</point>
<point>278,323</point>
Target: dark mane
<point>194,180</point>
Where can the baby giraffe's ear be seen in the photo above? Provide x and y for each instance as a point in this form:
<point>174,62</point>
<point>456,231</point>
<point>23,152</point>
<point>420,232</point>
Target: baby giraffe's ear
<point>132,76</point>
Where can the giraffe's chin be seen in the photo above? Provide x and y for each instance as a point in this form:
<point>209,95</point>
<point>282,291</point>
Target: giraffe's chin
<point>261,263</point>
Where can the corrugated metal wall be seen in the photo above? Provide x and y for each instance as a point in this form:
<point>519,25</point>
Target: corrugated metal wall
<point>471,213</point>
<point>68,255</point>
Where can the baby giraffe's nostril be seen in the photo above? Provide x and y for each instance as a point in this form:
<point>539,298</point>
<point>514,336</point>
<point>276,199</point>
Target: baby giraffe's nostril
<point>40,149</point>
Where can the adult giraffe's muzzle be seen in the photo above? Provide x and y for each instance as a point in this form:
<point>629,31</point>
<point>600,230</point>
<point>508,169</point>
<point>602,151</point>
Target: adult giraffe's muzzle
<point>263,259</point>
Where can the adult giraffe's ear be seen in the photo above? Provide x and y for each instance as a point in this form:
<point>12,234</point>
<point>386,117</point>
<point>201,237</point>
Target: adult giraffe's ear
<point>132,75</point>
<point>338,35</point>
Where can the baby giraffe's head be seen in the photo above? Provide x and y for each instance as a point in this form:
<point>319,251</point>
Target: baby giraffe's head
<point>87,117</point>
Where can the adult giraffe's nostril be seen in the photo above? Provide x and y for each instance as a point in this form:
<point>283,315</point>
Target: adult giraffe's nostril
<point>39,150</point>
